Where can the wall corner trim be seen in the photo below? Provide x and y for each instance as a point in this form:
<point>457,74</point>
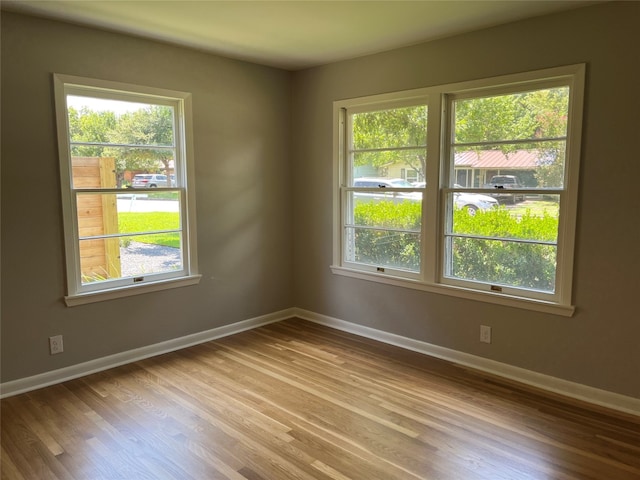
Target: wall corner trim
<point>27,384</point>
<point>584,393</point>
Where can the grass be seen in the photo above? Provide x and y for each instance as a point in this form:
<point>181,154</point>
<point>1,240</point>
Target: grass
<point>135,222</point>
<point>536,208</point>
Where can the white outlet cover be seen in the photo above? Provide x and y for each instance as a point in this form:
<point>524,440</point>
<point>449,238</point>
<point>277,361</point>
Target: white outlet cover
<point>485,334</point>
<point>56,345</point>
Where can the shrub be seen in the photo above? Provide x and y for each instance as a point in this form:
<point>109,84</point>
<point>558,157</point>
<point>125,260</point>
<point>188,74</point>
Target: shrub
<point>509,261</point>
<point>388,247</point>
<point>504,261</point>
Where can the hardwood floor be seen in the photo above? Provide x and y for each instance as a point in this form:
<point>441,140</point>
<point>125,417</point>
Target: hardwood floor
<point>295,400</point>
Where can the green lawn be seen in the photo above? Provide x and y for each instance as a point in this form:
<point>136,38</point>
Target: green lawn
<point>132,222</point>
<point>535,207</point>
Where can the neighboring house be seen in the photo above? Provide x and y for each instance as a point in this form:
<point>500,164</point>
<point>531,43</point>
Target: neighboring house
<point>473,168</point>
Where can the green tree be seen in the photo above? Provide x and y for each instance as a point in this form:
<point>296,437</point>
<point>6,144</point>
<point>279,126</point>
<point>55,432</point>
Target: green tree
<point>150,126</point>
<point>479,122</point>
<point>551,107</point>
<point>387,130</point>
<point>139,131</point>
<point>536,115</point>
<point>89,126</point>
<point>492,119</point>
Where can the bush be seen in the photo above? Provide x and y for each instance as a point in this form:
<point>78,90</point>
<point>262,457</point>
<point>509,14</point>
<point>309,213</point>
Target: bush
<point>504,262</point>
<point>388,247</point>
<point>501,223</point>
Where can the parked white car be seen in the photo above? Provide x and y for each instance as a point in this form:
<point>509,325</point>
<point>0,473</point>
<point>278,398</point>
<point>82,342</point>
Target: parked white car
<point>382,183</point>
<point>471,202</point>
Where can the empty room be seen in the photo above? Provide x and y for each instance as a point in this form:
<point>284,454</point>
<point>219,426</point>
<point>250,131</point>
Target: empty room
<point>271,240</point>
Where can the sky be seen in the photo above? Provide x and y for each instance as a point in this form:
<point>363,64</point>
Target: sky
<point>102,105</point>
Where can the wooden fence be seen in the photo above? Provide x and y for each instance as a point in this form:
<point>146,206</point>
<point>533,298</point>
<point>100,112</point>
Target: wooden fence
<point>97,215</point>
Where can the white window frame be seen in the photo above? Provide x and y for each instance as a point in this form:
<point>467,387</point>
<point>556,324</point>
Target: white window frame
<point>77,293</point>
<point>434,214</point>
<point>389,101</point>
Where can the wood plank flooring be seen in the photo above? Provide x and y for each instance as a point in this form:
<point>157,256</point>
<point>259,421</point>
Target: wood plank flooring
<point>295,400</point>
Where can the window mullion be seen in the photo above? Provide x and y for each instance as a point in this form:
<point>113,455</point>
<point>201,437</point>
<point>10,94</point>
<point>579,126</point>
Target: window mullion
<point>386,149</point>
<point>340,175</point>
<point>129,234</point>
<point>501,239</point>
<point>526,141</point>
<point>122,145</point>
<point>430,210</point>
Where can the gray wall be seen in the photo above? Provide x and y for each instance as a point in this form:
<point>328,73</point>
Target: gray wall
<point>241,115</point>
<point>600,345</point>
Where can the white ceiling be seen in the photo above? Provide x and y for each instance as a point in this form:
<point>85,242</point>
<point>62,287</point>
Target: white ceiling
<point>291,34</point>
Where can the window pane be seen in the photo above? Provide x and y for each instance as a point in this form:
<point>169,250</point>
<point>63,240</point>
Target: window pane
<point>108,214</point>
<point>389,233</point>
<point>510,166</point>
<point>113,258</point>
<point>97,125</point>
<point>113,121</point>
<point>118,167</point>
<point>383,248</point>
<point>398,127</point>
<point>389,164</point>
<point>534,219</point>
<point>506,263</point>
<point>507,143</point>
<point>528,115</point>
<point>141,255</point>
<point>402,211</point>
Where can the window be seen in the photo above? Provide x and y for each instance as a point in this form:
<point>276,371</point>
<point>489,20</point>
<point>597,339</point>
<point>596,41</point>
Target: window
<point>490,213</point>
<point>410,175</point>
<point>127,188</point>
<point>383,213</point>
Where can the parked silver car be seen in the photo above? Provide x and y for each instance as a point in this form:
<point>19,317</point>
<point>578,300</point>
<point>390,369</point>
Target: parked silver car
<point>151,180</point>
<point>471,202</point>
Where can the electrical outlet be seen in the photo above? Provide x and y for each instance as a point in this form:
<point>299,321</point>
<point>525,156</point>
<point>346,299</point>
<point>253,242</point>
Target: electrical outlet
<point>55,344</point>
<point>485,334</point>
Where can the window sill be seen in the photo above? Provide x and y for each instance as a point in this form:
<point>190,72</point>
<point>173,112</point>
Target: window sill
<point>496,298</point>
<point>128,291</point>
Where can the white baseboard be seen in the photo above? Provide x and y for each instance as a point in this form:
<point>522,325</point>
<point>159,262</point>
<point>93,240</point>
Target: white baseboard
<point>34,382</point>
<point>574,390</point>
<point>578,391</point>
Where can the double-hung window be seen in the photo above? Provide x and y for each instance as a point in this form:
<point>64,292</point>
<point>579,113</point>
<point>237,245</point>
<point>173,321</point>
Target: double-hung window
<point>382,228</point>
<point>491,212</point>
<point>127,188</point>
